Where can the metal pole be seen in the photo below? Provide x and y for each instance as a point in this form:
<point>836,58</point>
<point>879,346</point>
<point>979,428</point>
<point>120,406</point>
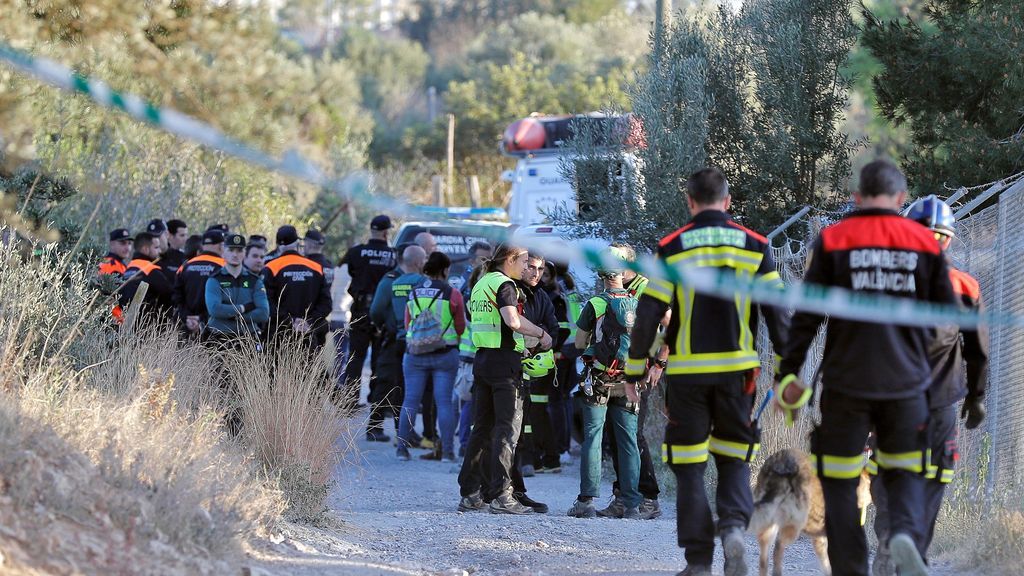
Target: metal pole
<point>959,192</point>
<point>450,184</point>
<point>792,220</point>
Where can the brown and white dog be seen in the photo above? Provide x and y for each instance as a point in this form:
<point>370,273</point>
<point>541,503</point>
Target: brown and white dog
<point>788,501</point>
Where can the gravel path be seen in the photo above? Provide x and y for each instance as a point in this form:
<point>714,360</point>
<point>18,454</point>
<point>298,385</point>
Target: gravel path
<point>400,518</point>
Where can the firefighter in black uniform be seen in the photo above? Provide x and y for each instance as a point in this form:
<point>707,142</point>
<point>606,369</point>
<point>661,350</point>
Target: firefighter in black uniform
<point>298,293</point>
<point>874,376</point>
<point>949,351</point>
<point>144,268</point>
<point>367,264</point>
<point>711,371</point>
<point>190,283</point>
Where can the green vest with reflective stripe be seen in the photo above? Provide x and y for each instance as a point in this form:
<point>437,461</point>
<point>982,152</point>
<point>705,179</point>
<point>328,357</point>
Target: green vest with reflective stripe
<point>485,318</point>
<point>466,347</point>
<point>572,301</point>
<point>636,285</point>
<point>420,299</point>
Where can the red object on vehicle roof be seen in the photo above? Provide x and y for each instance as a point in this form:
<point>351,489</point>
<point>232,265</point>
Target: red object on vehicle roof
<point>538,133</point>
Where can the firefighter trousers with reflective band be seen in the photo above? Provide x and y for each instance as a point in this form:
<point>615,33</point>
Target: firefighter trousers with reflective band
<point>942,434</point>
<point>709,420</point>
<point>537,444</point>
<point>837,455</point>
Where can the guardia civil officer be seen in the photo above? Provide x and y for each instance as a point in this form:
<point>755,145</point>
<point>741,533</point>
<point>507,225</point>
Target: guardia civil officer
<point>190,283</point>
<point>299,296</point>
<point>710,370</point>
<point>498,333</point>
<point>874,376</point>
<point>950,351</point>
<point>236,299</point>
<point>367,264</point>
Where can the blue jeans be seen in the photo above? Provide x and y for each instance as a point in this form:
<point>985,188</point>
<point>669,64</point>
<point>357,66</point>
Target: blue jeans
<point>624,423</point>
<point>440,369</point>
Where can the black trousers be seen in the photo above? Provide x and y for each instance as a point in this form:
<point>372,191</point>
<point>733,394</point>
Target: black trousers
<point>490,455</point>
<point>709,420</point>
<point>942,434</point>
<point>560,403</point>
<point>428,411</point>
<point>387,390</point>
<point>363,340</point>
<point>537,446</point>
<point>648,485</point>
<point>901,427</point>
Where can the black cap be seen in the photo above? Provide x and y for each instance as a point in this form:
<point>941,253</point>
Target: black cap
<point>213,237</point>
<point>120,234</point>
<point>381,222</point>
<point>235,241</point>
<point>287,234</point>
<point>315,235</point>
<point>257,240</point>
<point>222,228</point>
<point>156,227</point>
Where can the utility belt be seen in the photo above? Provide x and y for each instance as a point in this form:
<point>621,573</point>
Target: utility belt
<point>609,388</point>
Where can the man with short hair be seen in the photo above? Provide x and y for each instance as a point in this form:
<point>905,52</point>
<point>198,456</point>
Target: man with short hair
<point>711,371</point>
<point>874,376</point>
<point>157,303</point>
<point>253,261</point>
<point>174,256</point>
<point>367,264</point>
<point>426,241</point>
<point>388,313</point>
<point>190,283</point>
<point>299,296</point>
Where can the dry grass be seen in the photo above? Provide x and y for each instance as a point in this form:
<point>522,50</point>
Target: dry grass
<point>113,453</point>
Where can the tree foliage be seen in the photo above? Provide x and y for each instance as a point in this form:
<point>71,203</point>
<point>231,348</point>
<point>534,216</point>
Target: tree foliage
<point>758,93</point>
<point>955,78</point>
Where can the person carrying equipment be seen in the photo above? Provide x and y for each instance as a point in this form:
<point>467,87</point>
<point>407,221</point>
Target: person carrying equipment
<point>951,348</point>
<point>603,335</point>
<point>499,332</point>
<point>874,376</point>
<point>711,370</point>
<point>190,283</point>
<point>650,508</point>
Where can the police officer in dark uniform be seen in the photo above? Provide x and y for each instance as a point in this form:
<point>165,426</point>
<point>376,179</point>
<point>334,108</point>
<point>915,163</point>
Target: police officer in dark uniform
<point>874,376</point>
<point>367,264</point>
<point>313,248</point>
<point>190,283</point>
<point>298,293</point>
<point>711,371</point>
<point>157,303</point>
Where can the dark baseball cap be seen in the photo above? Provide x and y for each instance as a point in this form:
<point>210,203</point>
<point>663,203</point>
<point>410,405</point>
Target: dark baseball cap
<point>287,234</point>
<point>235,241</point>
<point>257,240</point>
<point>380,222</point>
<point>223,228</point>
<point>120,234</point>
<point>213,237</point>
<point>156,227</point>
<point>315,235</point>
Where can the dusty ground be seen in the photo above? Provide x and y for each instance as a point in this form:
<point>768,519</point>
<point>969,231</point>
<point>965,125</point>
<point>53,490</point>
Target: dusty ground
<point>400,518</point>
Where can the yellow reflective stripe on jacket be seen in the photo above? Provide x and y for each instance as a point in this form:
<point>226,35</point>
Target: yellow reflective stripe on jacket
<point>636,366</point>
<point>839,467</point>
<point>539,398</point>
<point>676,454</point>
<point>720,257</point>
<point>872,467</point>
<point>902,461</point>
<point>660,290</point>
<point>772,278</point>
<point>946,476</point>
<point>735,361</point>
<point>738,450</point>
<point>637,285</point>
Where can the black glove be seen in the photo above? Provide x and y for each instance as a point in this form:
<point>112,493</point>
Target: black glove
<point>973,411</point>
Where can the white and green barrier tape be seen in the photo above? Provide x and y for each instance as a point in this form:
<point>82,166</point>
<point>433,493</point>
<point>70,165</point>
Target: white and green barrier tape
<point>839,303</point>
